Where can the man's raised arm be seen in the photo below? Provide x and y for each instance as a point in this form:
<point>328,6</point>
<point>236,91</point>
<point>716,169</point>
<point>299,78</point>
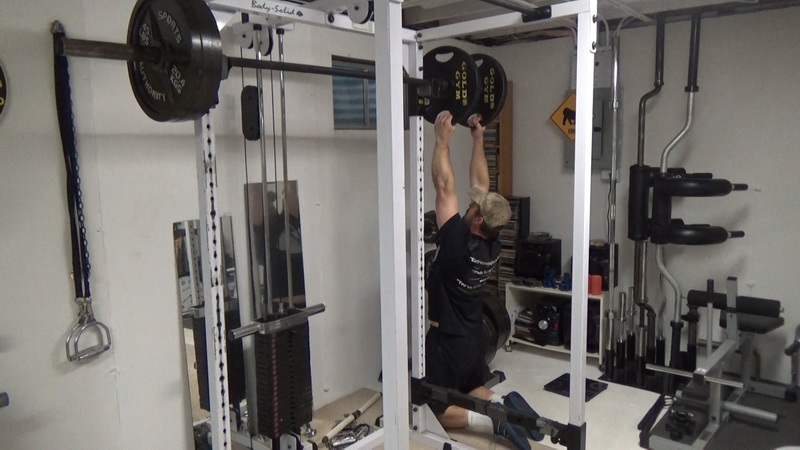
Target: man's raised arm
<point>442,169</point>
<point>478,169</point>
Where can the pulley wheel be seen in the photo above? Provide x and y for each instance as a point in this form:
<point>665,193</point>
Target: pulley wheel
<point>183,84</point>
<point>361,12</point>
<point>494,88</point>
<point>454,84</point>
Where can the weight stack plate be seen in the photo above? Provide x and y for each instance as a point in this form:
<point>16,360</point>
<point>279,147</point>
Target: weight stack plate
<point>236,383</point>
<point>283,386</point>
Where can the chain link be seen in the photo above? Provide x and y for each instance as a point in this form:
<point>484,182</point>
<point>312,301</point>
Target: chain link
<point>75,168</point>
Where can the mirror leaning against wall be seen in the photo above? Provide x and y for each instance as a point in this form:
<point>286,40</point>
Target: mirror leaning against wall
<point>276,278</point>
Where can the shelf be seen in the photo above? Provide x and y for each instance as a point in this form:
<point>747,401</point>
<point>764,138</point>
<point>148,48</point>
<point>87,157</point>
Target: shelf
<point>519,297</point>
<point>550,348</point>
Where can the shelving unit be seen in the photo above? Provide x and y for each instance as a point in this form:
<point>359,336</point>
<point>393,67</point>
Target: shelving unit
<point>520,297</point>
<point>497,143</point>
<point>499,156</point>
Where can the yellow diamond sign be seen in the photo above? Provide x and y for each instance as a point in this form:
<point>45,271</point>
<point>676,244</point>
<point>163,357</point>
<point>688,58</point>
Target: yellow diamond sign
<point>564,117</point>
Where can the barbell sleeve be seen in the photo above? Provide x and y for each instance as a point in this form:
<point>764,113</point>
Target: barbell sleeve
<point>107,50</point>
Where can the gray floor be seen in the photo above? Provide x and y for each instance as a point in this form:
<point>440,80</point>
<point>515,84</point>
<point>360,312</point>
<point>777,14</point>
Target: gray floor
<point>739,434</point>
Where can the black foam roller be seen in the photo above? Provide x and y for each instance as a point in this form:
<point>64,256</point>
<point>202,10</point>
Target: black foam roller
<point>638,200</point>
<point>747,305</point>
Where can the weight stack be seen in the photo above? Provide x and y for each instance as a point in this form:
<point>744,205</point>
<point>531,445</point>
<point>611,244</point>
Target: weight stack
<point>283,387</point>
<point>235,365</point>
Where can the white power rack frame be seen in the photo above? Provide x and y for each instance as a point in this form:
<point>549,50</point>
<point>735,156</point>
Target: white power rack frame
<point>404,192</point>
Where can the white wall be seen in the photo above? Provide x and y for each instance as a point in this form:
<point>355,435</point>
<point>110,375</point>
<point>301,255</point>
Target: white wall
<point>745,131</point>
<point>138,178</point>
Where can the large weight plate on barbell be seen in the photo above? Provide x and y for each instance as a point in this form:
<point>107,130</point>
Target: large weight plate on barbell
<point>183,85</point>
<point>3,90</point>
<point>490,332</point>
<point>495,311</point>
<point>493,86</point>
<point>454,80</point>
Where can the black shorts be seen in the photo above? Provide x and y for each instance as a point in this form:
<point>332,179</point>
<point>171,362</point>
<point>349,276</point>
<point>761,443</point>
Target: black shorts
<point>454,362</point>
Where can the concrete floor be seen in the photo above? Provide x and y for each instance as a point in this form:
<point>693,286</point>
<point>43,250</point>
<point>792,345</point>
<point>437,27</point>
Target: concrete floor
<point>611,417</point>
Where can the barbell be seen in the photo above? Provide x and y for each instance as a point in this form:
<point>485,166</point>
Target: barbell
<point>176,64</point>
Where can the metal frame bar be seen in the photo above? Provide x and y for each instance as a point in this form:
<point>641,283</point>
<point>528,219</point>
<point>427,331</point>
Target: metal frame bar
<point>282,13</point>
<point>587,44</point>
<point>210,242</point>
<point>416,259</point>
<point>569,9</point>
<point>391,221</point>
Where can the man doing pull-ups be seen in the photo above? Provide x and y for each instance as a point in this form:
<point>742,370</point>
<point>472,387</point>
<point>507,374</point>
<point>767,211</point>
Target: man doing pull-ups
<point>468,250</point>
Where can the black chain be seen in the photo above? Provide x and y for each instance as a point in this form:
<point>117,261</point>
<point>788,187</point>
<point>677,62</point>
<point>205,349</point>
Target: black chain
<point>81,267</point>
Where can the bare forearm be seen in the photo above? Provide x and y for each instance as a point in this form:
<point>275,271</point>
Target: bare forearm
<point>478,168</point>
<point>442,169</point>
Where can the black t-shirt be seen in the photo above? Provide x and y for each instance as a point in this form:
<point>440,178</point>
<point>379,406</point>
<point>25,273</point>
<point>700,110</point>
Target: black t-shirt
<point>463,263</point>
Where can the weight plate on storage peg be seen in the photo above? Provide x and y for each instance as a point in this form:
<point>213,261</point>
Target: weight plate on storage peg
<point>3,90</point>
<point>183,84</point>
<point>494,88</point>
<point>454,84</point>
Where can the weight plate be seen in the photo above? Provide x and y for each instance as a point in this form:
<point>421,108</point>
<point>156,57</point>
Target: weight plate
<point>491,338</point>
<point>430,228</point>
<point>3,90</point>
<point>454,84</point>
<point>183,85</point>
<point>494,88</point>
<point>493,309</point>
<point>430,256</point>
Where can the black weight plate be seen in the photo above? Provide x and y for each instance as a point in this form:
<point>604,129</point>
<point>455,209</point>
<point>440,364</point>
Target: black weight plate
<point>493,309</point>
<point>183,85</point>
<point>454,82</point>
<point>430,228</point>
<point>3,90</point>
<point>494,88</point>
<point>430,255</point>
<point>491,337</point>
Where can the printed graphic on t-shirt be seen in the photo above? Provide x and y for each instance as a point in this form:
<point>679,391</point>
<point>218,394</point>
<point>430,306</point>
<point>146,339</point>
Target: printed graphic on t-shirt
<point>476,275</point>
